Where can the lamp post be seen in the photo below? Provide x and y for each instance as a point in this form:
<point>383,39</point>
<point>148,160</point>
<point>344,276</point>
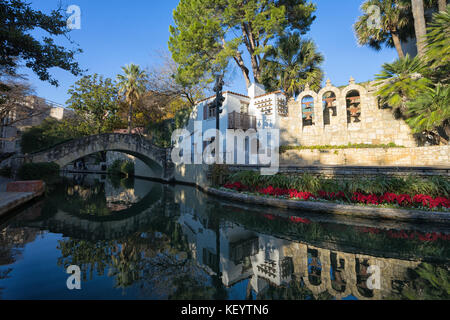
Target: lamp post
<point>218,88</point>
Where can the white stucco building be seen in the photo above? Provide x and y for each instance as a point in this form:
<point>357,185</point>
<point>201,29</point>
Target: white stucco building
<point>255,111</point>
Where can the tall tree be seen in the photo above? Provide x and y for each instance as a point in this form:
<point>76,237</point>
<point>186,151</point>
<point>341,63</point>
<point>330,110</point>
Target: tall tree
<point>131,87</point>
<point>209,33</point>
<point>18,43</point>
<point>292,64</point>
<point>442,5</point>
<point>13,95</point>
<point>162,81</point>
<point>418,11</point>
<point>438,47</point>
<point>95,100</point>
<point>390,29</point>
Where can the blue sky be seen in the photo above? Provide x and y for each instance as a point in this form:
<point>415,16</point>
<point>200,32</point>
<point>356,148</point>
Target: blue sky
<point>116,32</point>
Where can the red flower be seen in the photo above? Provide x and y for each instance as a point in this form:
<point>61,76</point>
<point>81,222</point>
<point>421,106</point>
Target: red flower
<point>300,220</point>
<point>389,198</point>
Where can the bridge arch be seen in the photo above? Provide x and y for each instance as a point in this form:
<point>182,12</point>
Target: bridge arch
<point>65,153</point>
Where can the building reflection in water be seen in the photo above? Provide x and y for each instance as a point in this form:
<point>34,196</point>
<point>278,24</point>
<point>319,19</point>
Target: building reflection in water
<point>267,261</point>
<point>175,242</point>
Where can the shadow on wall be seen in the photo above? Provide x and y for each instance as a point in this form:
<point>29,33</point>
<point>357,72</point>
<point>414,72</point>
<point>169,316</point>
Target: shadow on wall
<point>418,156</point>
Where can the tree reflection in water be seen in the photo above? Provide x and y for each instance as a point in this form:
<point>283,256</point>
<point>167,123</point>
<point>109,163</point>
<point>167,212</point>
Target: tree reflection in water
<point>172,242</point>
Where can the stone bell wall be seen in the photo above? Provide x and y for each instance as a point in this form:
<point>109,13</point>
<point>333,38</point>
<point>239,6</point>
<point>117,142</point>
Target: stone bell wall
<point>373,125</point>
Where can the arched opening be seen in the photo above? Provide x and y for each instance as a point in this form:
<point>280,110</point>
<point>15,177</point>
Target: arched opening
<point>338,282</point>
<point>308,111</point>
<point>154,158</point>
<point>142,164</point>
<point>314,267</point>
<point>70,209</point>
<point>353,99</point>
<point>329,107</point>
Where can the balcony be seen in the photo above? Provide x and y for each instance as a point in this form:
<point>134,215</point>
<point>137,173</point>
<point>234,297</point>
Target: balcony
<point>242,121</point>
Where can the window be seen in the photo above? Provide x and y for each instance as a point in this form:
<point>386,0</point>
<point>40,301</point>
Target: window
<point>308,111</point>
<point>207,143</point>
<point>211,111</point>
<point>244,107</point>
<point>353,107</point>
<point>329,107</point>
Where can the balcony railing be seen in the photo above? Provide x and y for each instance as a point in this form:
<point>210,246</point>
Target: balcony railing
<point>242,121</point>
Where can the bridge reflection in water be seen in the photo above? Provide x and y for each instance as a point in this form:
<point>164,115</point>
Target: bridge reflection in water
<point>175,242</point>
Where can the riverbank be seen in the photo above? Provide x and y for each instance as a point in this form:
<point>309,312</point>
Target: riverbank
<point>369,212</point>
<point>16,194</point>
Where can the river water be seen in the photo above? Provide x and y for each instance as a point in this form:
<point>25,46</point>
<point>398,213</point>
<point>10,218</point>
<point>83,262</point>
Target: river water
<point>138,239</point>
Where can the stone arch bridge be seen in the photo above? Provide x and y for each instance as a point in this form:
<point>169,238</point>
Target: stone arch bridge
<point>156,158</point>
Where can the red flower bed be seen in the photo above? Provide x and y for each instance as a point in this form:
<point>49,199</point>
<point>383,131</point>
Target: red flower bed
<point>403,200</point>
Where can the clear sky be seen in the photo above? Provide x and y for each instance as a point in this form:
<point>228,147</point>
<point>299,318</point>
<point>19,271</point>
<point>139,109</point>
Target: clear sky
<point>116,32</point>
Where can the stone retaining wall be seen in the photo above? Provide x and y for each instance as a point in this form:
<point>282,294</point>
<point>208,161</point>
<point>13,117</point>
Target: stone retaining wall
<point>367,212</point>
<point>419,156</point>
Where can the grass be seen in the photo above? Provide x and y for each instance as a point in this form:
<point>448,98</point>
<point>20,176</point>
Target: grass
<point>283,149</point>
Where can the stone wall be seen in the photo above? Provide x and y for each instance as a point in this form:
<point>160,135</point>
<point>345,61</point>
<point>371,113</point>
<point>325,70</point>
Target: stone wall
<point>418,156</point>
<point>334,125</point>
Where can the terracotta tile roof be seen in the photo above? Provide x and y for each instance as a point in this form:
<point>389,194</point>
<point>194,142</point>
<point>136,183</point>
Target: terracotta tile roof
<point>241,95</point>
<point>225,92</point>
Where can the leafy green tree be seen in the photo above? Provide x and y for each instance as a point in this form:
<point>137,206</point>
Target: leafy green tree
<point>401,81</point>
<point>18,23</point>
<point>430,112</point>
<point>395,25</point>
<point>50,133</point>
<point>95,100</point>
<point>132,87</point>
<point>292,64</point>
<point>438,47</point>
<point>207,34</point>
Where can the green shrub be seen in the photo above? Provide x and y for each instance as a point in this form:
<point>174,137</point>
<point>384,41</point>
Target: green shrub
<point>51,132</point>
<point>283,149</point>
<point>6,172</point>
<point>122,167</point>
<point>115,167</point>
<point>127,168</point>
<point>38,171</point>
<point>412,185</point>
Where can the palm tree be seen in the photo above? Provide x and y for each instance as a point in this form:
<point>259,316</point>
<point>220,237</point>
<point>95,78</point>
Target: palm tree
<point>394,25</point>
<point>438,47</point>
<point>442,5</point>
<point>418,11</point>
<point>131,87</point>
<point>401,81</point>
<point>430,112</point>
<point>292,64</point>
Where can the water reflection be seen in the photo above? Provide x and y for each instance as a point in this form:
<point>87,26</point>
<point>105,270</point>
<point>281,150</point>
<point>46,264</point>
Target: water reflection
<point>141,239</point>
